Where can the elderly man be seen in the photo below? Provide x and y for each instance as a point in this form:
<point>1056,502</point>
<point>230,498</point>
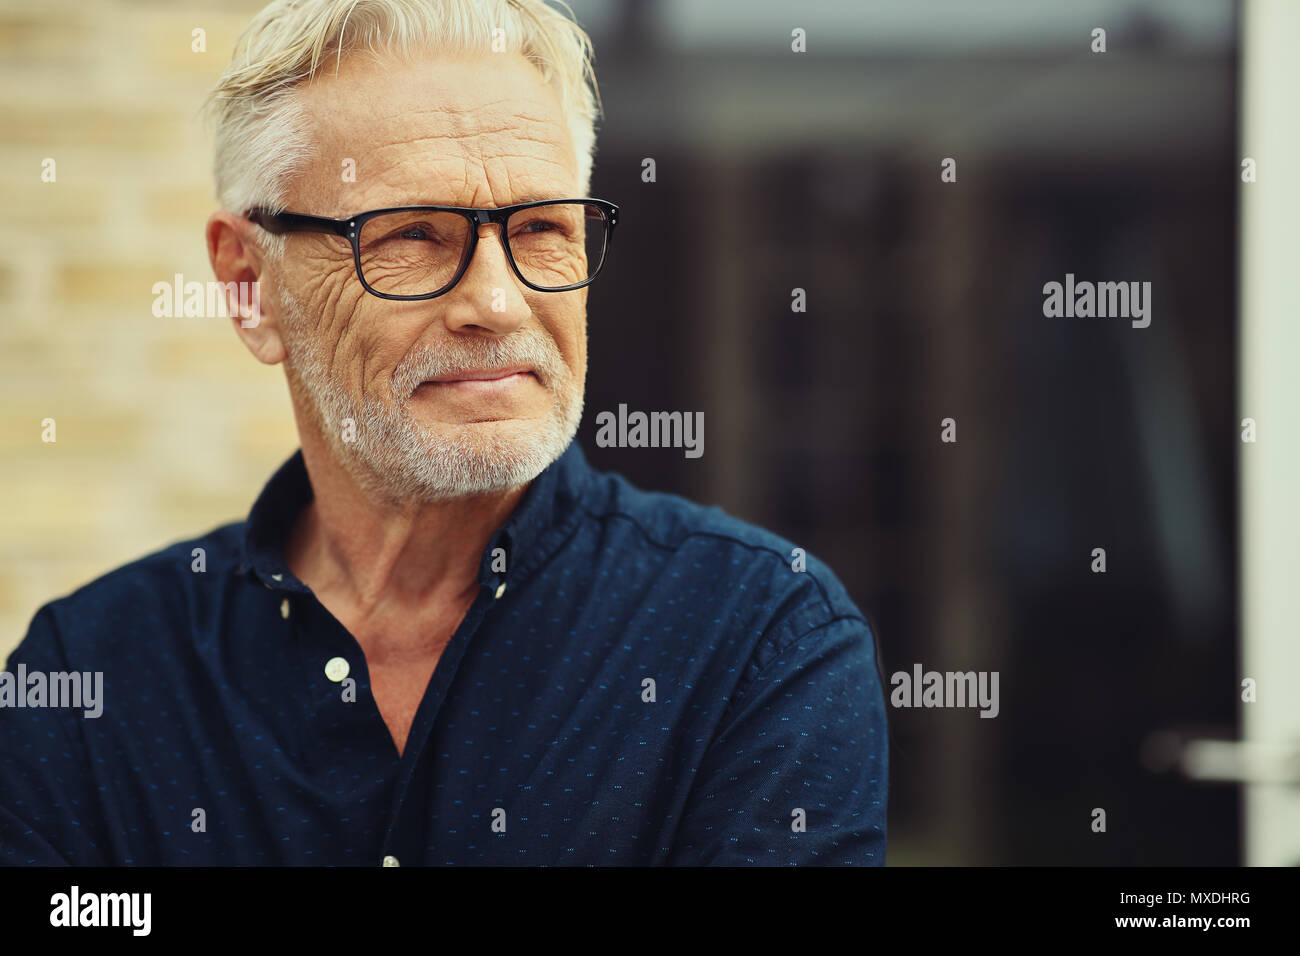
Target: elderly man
<point>441,637</point>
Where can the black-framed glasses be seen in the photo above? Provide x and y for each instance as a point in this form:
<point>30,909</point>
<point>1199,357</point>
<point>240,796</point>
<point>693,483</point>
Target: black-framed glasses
<point>420,252</point>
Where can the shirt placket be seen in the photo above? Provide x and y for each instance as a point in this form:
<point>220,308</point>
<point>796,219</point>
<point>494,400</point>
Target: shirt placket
<point>343,725</point>
<point>407,832</point>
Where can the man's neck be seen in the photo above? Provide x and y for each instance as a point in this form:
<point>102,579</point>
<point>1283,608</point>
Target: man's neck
<point>367,552</point>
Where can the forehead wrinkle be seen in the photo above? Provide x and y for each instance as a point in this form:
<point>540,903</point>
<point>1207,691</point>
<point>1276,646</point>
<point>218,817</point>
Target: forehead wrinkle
<point>510,110</point>
<point>536,178</point>
<point>476,121</point>
<point>385,105</point>
<point>472,144</point>
<point>460,125</point>
<point>435,171</point>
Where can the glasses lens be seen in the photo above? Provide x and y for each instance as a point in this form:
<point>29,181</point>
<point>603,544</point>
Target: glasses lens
<point>412,253</point>
<point>559,244</point>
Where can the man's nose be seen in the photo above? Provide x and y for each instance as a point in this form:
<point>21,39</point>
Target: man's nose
<point>489,295</point>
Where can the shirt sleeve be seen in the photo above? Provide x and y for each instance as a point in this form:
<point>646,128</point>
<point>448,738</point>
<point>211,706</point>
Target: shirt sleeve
<point>798,774</point>
<point>45,788</point>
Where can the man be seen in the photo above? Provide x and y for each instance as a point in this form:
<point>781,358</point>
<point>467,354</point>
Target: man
<point>441,637</point>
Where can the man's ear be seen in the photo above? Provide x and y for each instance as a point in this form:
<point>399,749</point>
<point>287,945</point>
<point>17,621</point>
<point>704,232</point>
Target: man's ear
<point>236,258</point>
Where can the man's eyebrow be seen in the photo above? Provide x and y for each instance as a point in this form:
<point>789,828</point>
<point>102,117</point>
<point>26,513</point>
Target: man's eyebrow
<point>527,197</point>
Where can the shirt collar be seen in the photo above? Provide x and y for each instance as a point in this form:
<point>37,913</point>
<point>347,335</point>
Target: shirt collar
<point>539,522</point>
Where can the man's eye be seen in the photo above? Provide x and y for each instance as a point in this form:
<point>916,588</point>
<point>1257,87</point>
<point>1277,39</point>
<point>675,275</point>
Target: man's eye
<point>536,226</point>
<point>413,232</point>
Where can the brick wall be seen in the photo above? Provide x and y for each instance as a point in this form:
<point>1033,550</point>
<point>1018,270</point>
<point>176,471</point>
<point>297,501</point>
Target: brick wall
<point>165,427</point>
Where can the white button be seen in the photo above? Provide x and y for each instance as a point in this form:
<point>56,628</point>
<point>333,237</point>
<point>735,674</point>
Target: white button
<point>390,861</point>
<point>501,589</point>
<point>284,609</point>
<point>277,577</point>
<point>336,668</point>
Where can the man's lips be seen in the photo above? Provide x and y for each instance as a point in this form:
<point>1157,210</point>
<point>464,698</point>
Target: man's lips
<point>481,380</point>
<point>480,375</point>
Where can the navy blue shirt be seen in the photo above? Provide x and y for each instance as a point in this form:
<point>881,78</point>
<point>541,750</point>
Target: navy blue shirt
<point>647,682</point>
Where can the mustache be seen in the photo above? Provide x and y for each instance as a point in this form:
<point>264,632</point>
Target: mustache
<point>429,360</point>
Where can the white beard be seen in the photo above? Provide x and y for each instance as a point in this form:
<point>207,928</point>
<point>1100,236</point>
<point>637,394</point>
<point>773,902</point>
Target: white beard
<point>398,458</point>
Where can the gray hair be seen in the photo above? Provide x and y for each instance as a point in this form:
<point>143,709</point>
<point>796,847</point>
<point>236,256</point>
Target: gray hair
<point>260,124</point>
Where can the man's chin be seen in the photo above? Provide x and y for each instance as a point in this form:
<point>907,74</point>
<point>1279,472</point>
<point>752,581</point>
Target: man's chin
<point>485,433</point>
<point>471,457</point>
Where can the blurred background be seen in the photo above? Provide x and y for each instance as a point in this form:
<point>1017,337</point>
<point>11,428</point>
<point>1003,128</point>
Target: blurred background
<point>775,170</point>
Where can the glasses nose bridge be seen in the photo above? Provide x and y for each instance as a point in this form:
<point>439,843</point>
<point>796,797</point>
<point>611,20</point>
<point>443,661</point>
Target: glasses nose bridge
<point>484,217</point>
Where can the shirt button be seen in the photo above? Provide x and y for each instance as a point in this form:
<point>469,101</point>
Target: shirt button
<point>336,668</point>
<point>390,861</point>
<point>277,577</point>
<point>501,589</point>
<point>284,609</point>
